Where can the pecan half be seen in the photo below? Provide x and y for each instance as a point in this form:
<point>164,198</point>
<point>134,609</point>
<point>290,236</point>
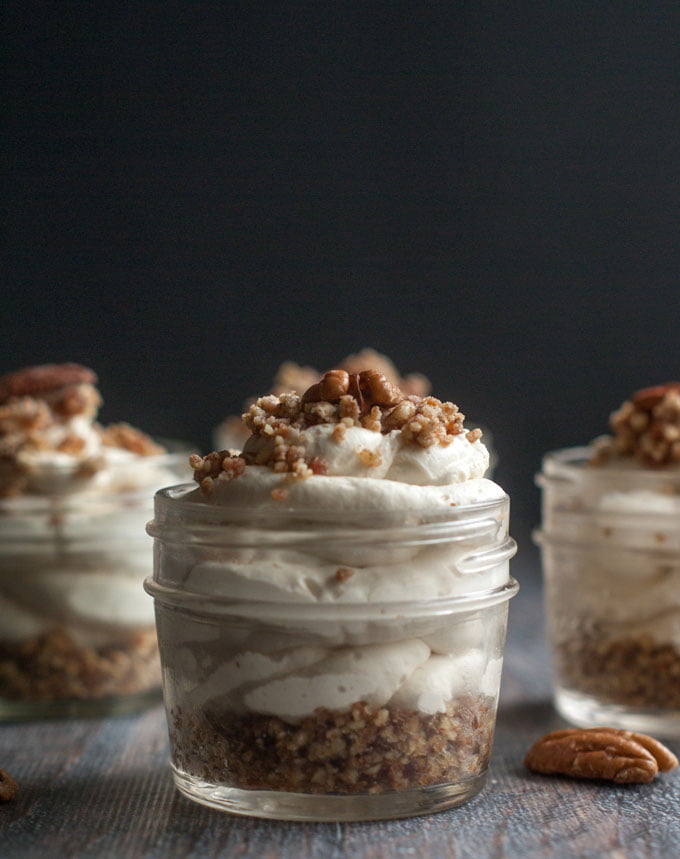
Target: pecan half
<point>8,787</point>
<point>647,398</point>
<point>332,386</point>
<point>377,390</point>
<point>369,388</point>
<point>647,426</point>
<point>600,753</point>
<point>43,378</point>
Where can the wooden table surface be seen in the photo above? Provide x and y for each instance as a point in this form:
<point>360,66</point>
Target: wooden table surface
<point>103,788</point>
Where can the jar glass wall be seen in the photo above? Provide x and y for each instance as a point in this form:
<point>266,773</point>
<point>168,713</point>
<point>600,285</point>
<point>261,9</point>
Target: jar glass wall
<point>314,704</point>
<point>610,545</point>
<point>76,634</point>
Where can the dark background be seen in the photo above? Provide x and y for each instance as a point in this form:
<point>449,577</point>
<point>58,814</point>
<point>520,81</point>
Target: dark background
<point>487,192</point>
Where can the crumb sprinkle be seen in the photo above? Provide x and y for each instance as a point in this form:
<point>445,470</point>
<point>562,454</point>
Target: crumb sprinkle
<point>38,407</point>
<point>646,427</point>
<point>277,423</point>
<point>342,574</point>
<point>369,458</point>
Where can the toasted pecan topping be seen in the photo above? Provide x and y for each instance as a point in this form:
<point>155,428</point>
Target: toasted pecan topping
<point>32,381</point>
<point>345,400</point>
<point>292,377</point>
<point>647,427</point>
<point>38,406</point>
<point>369,388</point>
<point>368,359</point>
<point>215,463</point>
<point>130,438</point>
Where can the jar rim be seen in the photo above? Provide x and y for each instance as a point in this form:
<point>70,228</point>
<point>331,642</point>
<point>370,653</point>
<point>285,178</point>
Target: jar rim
<point>574,460</point>
<point>35,502</point>
<point>174,495</point>
<point>200,603</point>
<point>179,521</point>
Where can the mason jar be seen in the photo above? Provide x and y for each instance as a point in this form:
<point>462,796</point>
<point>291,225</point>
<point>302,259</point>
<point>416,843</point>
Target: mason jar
<point>77,637</point>
<point>610,547</point>
<point>330,667</point>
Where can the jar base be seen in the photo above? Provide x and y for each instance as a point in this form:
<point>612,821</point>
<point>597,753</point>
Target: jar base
<point>588,712</point>
<point>281,805</point>
<point>78,708</point>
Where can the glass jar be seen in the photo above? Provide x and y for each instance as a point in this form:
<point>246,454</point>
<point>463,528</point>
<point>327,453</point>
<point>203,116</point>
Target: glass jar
<point>320,667</point>
<point>610,546</point>
<point>76,634</point>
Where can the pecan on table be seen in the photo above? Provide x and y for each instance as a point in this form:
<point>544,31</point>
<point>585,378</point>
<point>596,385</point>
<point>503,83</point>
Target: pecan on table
<point>8,787</point>
<point>609,754</point>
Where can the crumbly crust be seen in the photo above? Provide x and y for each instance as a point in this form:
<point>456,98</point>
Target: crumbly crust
<point>634,671</point>
<point>363,750</point>
<point>647,427</point>
<point>345,400</point>
<point>53,667</point>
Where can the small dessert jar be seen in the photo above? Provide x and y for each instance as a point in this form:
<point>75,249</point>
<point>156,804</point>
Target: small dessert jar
<point>610,546</point>
<point>321,666</point>
<point>76,634</point>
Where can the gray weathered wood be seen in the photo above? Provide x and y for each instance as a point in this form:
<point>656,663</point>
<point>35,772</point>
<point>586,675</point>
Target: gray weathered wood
<point>102,788</point>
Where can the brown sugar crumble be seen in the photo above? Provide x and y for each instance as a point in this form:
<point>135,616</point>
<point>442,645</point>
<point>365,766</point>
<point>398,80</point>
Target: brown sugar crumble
<point>362,750</point>
<point>369,458</point>
<point>293,377</point>
<point>647,427</point>
<point>366,399</point>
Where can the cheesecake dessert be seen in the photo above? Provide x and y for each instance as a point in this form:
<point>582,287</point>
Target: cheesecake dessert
<point>331,602</point>
<point>610,544</point>
<point>76,633</point>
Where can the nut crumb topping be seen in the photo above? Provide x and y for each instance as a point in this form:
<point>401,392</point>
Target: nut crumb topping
<point>293,377</point>
<point>207,468</point>
<point>130,438</point>
<point>339,432</point>
<point>367,399</point>
<point>369,458</point>
<point>38,406</point>
<point>647,427</point>
<point>44,378</point>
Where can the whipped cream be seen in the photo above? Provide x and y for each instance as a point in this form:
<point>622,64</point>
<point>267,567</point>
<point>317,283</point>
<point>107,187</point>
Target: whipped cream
<point>623,516</point>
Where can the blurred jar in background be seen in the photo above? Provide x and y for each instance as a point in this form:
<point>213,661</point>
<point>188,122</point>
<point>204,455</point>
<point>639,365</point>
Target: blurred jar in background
<point>610,544</point>
<point>76,635</point>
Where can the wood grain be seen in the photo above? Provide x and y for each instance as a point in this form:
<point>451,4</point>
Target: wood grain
<point>102,788</point>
